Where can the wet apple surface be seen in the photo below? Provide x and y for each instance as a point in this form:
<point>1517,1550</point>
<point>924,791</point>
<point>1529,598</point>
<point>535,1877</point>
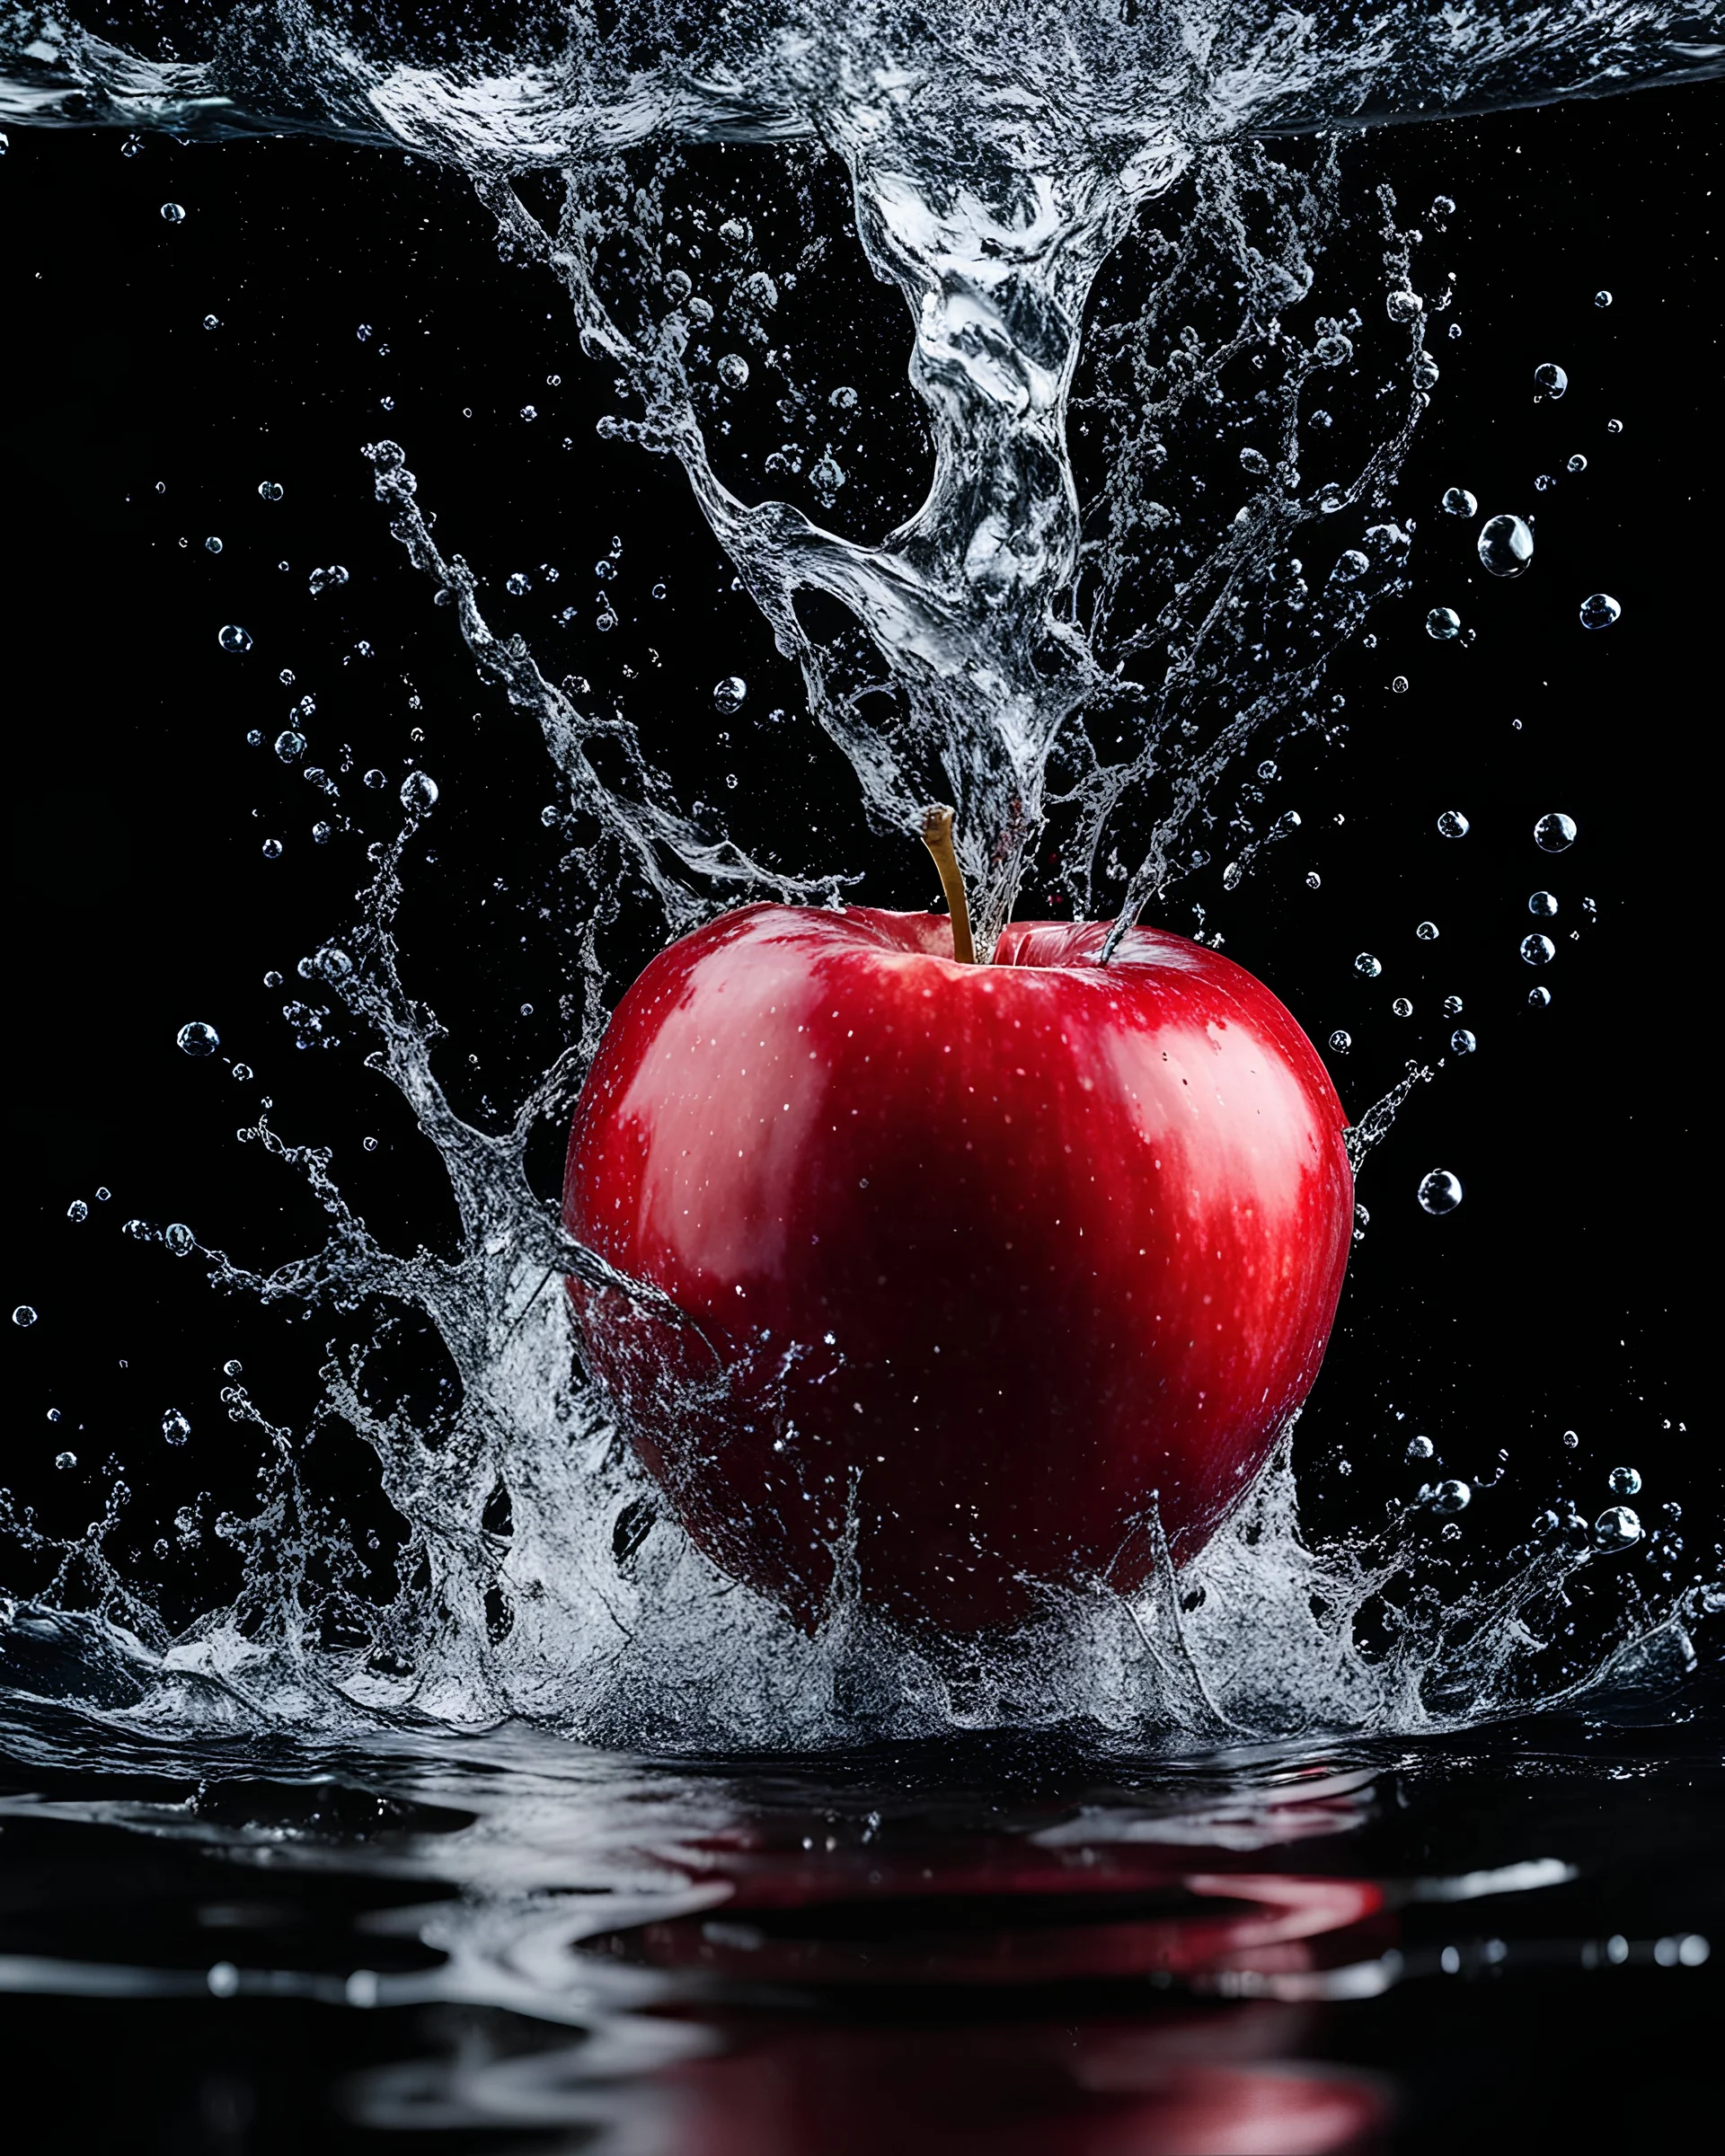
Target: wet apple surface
<point>994,1274</point>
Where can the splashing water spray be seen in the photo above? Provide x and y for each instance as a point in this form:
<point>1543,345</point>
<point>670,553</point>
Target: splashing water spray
<point>1063,670</point>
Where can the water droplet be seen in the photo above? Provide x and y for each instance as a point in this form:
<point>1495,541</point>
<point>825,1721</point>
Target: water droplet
<point>180,1238</point>
<point>212,545</point>
<point>1538,950</point>
<point>370,1144</point>
<point>1578,462</point>
<point>1333,351</point>
<point>172,214</point>
<point>1459,502</point>
<point>1452,1006</point>
<point>728,694</point>
<point>1443,205</point>
<point>1341,1042</point>
<point>289,745</point>
<point>1544,483</point>
<point>678,283</point>
<point>519,584</point>
<point>175,1428</point>
<point>77,1210</point>
<point>1314,881</point>
<point>1602,299</point>
<point>333,963</point>
<point>1426,371</point>
<point>64,1461</point>
<point>733,370</point>
<point>376,779</point>
<point>1462,1042</point>
<point>1452,824</point>
<point>1552,378</point>
<point>844,398</point>
<point>1599,609</point>
<point>1616,1528</point>
<point>196,1038</point>
<point>701,311</point>
<point>1367,966</point>
<point>211,322</point>
<point>243,1073</point>
<point>418,793</point>
<point>1506,545</point>
<point>1399,686</point>
<point>1451,1497</point>
<point>1440,1191</point>
<point>1402,1007</point>
<point>605,620</point>
<point>1254,463</point>
<point>102,1194</point>
<point>1403,305</point>
<point>529,412</point>
<point>1539,998</point>
<point>325,580</point>
<point>1623,1482</point>
<point>321,833</point>
<point>1420,1448</point>
<point>1427,931</point>
<point>233,638</point>
<point>1443,624</point>
<point>1613,426</point>
<point>1542,905</point>
<point>1350,566</point>
<point>826,474</point>
<point>24,1315</point>
<point>1554,833</point>
<point>270,489</point>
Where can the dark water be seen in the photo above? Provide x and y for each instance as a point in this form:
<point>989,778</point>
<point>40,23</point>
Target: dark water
<point>506,1942</point>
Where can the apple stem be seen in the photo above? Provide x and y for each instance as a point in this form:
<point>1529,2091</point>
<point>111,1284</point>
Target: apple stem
<point>937,836</point>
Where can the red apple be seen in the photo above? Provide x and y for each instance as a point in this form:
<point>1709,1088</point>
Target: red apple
<point>986,1266</point>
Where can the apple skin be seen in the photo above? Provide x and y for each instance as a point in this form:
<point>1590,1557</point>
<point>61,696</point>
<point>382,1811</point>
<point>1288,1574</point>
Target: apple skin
<point>976,1258</point>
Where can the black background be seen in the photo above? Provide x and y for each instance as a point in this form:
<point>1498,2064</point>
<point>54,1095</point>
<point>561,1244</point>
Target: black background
<point>1567,1291</point>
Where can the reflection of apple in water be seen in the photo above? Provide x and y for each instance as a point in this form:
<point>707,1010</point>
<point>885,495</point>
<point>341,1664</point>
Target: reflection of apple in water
<point>976,1258</point>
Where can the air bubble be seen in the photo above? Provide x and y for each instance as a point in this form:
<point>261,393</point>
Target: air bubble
<point>1506,545</point>
<point>196,1038</point>
<point>1427,931</point>
<point>1314,881</point>
<point>180,1238</point>
<point>826,474</point>
<point>1451,1497</point>
<point>1623,1482</point>
<point>175,1428</point>
<point>1459,502</point>
<point>77,1211</point>
<point>212,545</point>
<point>1542,905</point>
<point>290,747</point>
<point>1402,1007</point>
<point>518,585</point>
<point>1552,378</point>
<point>1462,1042</point>
<point>1616,1528</point>
<point>270,490</point>
<point>23,1316</point>
<point>1554,833</point>
<point>1420,1448</point>
<point>1452,1006</point>
<point>172,214</point>
<point>1602,299</point>
<point>418,793</point>
<point>1403,305</point>
<point>1440,1191</point>
<point>1599,609</point>
<point>733,370</point>
<point>1539,998</point>
<point>1538,950</point>
<point>1578,462</point>
<point>1350,566</point>
<point>325,580</point>
<point>1399,686</point>
<point>233,638</point>
<point>1452,824</point>
<point>1341,1042</point>
<point>729,694</point>
<point>64,1461</point>
<point>1367,966</point>
<point>1443,624</point>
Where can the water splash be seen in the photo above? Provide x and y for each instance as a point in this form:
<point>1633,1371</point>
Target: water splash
<point>1042,642</point>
